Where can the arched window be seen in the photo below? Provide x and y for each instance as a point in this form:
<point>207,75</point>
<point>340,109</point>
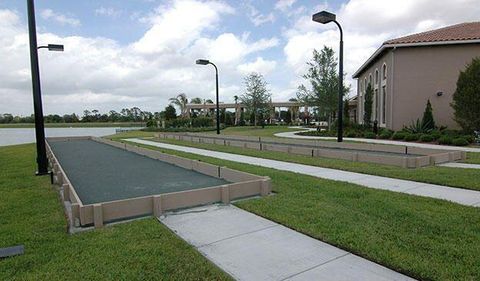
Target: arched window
<point>384,71</point>
<point>376,76</point>
<point>365,84</point>
<point>370,79</point>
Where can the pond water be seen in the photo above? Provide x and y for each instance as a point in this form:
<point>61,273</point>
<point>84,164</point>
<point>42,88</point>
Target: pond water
<point>12,136</point>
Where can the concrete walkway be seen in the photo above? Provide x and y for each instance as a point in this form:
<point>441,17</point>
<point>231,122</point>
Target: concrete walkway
<point>460,165</point>
<point>457,195</point>
<point>392,142</point>
<point>249,247</point>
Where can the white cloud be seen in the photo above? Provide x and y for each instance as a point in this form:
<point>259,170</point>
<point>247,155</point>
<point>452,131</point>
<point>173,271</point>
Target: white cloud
<point>366,25</point>
<point>60,18</point>
<point>284,5</point>
<point>175,27</point>
<point>99,73</point>
<point>261,19</point>
<point>258,18</point>
<point>259,65</point>
<point>108,11</point>
<point>228,48</point>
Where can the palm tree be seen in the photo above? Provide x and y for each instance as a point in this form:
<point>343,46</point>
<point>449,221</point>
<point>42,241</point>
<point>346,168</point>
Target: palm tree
<point>181,102</point>
<point>196,100</point>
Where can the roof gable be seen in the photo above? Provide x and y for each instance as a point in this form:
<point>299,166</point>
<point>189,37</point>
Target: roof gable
<point>468,32</point>
<point>457,32</point>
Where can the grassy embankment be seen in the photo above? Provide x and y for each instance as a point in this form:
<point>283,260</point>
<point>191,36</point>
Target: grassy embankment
<point>31,214</point>
<point>425,238</point>
<point>268,131</point>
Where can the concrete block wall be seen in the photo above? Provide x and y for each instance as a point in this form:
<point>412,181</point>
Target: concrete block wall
<point>344,151</point>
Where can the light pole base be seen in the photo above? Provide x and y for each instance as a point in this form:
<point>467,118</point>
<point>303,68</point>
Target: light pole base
<point>37,173</point>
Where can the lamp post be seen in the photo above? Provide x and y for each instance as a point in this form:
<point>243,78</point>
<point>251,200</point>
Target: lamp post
<point>42,161</point>
<point>205,62</point>
<point>325,17</point>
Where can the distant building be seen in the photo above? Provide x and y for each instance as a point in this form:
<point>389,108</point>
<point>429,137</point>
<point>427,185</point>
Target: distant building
<point>405,72</point>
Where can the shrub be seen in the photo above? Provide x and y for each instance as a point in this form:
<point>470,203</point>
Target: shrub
<point>427,119</point>
<point>351,134</point>
<point>445,140</point>
<point>368,106</point>
<point>412,137</point>
<point>469,138</point>
<point>387,131</point>
<point>435,134</point>
<point>459,142</point>
<point>399,136</point>
<point>385,135</point>
<point>370,135</point>
<point>201,122</point>
<point>417,127</point>
<point>426,138</point>
<point>466,99</point>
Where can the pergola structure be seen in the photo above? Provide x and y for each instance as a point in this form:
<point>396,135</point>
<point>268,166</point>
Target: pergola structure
<point>239,108</point>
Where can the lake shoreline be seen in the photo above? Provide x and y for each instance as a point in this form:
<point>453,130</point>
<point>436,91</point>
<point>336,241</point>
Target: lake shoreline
<point>75,125</point>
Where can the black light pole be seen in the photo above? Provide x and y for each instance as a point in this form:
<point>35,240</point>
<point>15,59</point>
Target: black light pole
<point>326,17</point>
<point>42,161</point>
<point>205,62</point>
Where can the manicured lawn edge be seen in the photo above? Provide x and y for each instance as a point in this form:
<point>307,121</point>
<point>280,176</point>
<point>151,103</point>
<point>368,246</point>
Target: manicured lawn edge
<point>414,235</point>
<point>32,214</point>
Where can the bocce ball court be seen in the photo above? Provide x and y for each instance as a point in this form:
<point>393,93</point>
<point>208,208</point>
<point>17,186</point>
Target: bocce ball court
<point>105,181</point>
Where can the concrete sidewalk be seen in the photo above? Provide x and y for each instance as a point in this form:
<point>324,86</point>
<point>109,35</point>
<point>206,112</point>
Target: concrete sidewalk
<point>460,165</point>
<point>392,142</point>
<point>249,247</point>
<point>457,195</point>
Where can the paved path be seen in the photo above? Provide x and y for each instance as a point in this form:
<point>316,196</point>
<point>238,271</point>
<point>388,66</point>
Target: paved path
<point>457,195</point>
<point>249,247</point>
<point>460,165</point>
<point>392,142</point>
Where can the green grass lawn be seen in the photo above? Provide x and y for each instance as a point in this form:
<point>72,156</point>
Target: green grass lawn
<point>76,125</point>
<point>31,214</point>
<point>422,237</point>
<point>268,131</point>
<point>472,158</point>
<point>455,177</point>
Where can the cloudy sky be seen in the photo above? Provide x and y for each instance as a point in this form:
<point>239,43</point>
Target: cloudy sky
<point>142,52</point>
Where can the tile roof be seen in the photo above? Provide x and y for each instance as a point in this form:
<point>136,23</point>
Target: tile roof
<point>457,32</point>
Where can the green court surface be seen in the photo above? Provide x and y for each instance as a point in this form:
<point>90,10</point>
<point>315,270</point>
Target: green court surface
<point>102,173</point>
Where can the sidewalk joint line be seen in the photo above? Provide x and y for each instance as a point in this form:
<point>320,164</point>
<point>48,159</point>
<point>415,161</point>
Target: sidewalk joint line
<point>318,265</point>
<point>238,235</point>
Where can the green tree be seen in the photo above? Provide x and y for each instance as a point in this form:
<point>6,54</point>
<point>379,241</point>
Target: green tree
<point>427,121</point>
<point>323,77</point>
<point>256,97</point>
<point>368,106</point>
<point>170,113</point>
<point>466,99</point>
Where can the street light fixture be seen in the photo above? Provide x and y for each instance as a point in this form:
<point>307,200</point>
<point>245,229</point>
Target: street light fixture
<point>42,160</point>
<point>325,17</point>
<point>52,47</point>
<point>205,62</point>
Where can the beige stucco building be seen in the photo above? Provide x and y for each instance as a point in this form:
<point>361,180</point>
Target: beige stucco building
<point>406,72</point>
